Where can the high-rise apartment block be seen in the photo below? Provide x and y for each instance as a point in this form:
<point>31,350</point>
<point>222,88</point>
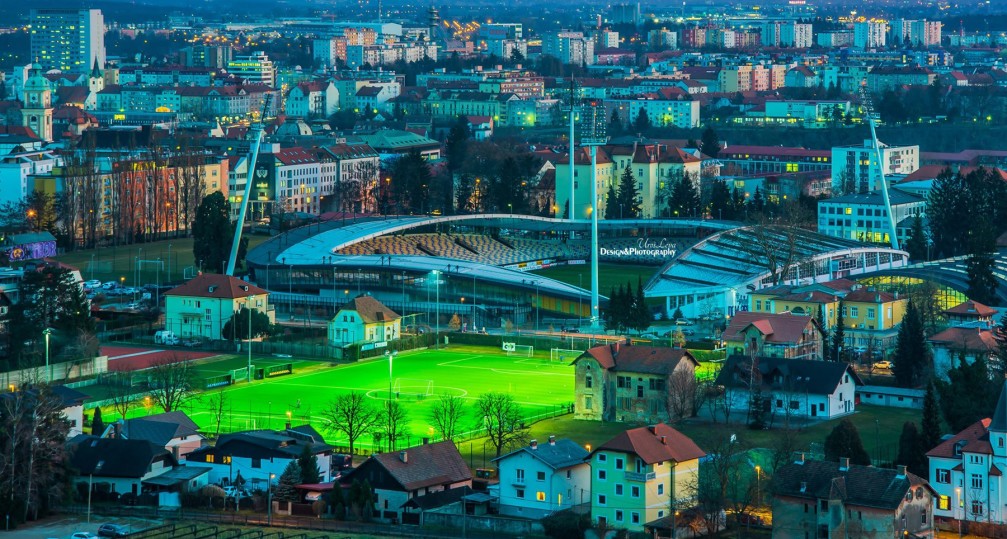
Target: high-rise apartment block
<point>70,40</point>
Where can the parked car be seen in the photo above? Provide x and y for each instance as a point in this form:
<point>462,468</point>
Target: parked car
<point>191,342</point>
<point>93,283</point>
<point>684,322</point>
<point>648,336</point>
<point>112,530</point>
<point>134,306</point>
<point>82,535</point>
<point>882,365</point>
<point>110,285</point>
<point>688,331</point>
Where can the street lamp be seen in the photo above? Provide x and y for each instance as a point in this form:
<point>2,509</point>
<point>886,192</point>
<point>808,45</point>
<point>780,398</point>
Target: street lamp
<point>437,306</point>
<point>958,505</point>
<point>391,357</point>
<point>249,308</point>
<point>48,371</point>
<point>168,280</point>
<point>758,485</point>
<point>269,500</point>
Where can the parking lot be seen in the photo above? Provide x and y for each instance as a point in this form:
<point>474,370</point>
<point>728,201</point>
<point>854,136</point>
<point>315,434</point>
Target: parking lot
<point>62,527</point>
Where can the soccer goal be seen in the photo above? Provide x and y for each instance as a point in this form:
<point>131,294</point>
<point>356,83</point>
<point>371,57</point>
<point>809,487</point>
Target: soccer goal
<point>240,375</point>
<point>521,350</point>
<point>413,387</point>
<point>562,354</point>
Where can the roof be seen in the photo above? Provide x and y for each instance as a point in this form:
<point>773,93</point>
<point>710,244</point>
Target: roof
<point>176,476</point>
<point>777,328</point>
<point>370,310</point>
<point>971,308</point>
<point>114,457</point>
<point>562,453</point>
<point>267,443</point>
<point>865,295</point>
<point>875,198</point>
<point>213,285</point>
<point>68,395</point>
<point>625,357</point>
<point>438,499</point>
<point>971,338</point>
<point>656,443</point>
<point>810,376</point>
<point>867,486</point>
<point>160,428</point>
<point>425,465</point>
<point>999,422</point>
<point>975,438</point>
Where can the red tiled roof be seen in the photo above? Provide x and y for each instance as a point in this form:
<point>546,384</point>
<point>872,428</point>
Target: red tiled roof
<point>971,308</point>
<point>295,156</point>
<point>625,357</point>
<point>426,465</point>
<point>864,295</point>
<point>658,443</point>
<point>975,435</point>
<point>371,310</point>
<point>813,296</point>
<point>972,339</point>
<point>778,328</point>
<point>212,285</point>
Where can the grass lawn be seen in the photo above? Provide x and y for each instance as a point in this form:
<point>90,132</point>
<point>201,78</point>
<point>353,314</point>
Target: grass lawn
<point>541,387</point>
<point>609,275</point>
<point>113,263</point>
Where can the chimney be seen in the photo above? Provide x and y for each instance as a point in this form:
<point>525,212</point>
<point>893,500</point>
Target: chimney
<point>901,471</point>
<point>288,425</point>
<point>844,464</point>
<point>533,444</point>
<point>664,440</point>
<point>800,459</point>
<point>552,439</point>
<point>403,456</point>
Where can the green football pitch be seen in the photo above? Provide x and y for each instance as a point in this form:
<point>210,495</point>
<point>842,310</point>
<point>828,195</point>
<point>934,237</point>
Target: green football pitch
<point>541,387</point>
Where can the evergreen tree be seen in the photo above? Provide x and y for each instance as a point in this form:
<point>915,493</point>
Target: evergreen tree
<point>286,486</point>
<point>677,315</point>
<point>457,144</point>
<point>463,194</point>
<point>758,201</point>
<point>684,201</point>
<point>839,334</point>
<point>912,355</point>
<point>998,364</point>
<point>912,453</point>
<point>308,464</point>
<point>236,328</point>
<point>608,315</point>
<point>615,124</point>
<point>721,202</point>
<point>628,196</point>
<point>968,395</point>
<point>642,122</point>
<point>710,142</point>
<point>642,318</point>
<point>97,425</point>
<point>844,441</point>
<point>916,244</point>
<point>411,179</point>
<point>930,431</point>
<point>213,233</point>
<point>981,263</point>
<point>611,203</point>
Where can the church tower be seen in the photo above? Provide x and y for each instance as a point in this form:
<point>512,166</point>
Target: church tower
<point>36,111</point>
<point>96,80</point>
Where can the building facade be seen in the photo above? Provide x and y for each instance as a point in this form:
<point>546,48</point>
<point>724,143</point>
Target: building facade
<point>70,40</point>
<point>202,306</point>
<point>538,480</point>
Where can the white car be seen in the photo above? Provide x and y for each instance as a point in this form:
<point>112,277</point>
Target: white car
<point>83,535</point>
<point>93,283</point>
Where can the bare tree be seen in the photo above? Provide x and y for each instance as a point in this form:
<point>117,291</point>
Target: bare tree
<point>725,483</point>
<point>190,182</point>
<point>500,415</point>
<point>171,382</point>
<point>681,395</point>
<point>352,415</point>
<point>216,403</point>
<point>447,414</point>
<point>121,392</point>
<point>394,423</point>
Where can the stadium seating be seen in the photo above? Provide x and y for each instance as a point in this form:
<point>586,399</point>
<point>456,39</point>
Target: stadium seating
<point>472,247</point>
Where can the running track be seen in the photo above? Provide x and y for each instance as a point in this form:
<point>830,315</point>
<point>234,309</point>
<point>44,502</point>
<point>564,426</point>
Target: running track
<point>123,358</point>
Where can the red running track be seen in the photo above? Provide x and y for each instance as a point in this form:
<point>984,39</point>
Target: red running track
<point>127,358</point>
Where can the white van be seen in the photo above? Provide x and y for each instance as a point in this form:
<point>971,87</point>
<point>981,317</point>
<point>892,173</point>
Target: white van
<point>165,337</point>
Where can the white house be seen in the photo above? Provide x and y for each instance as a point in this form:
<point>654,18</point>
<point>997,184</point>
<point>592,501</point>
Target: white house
<point>364,319</point>
<point>790,388</point>
<point>540,479</point>
<point>966,471</point>
<point>174,431</point>
<point>121,464</point>
<point>976,339</point>
<point>317,99</point>
<point>201,306</point>
<point>73,408</point>
<point>255,454</point>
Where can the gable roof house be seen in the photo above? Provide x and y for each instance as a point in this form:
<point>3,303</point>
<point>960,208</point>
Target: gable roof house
<point>255,454</point>
<point>788,388</point>
<point>400,476</point>
<point>124,465</point>
<point>839,499</point>
<point>364,319</point>
<point>630,382</point>
<point>776,335</point>
<point>540,479</point>
<point>173,431</point>
<point>201,306</point>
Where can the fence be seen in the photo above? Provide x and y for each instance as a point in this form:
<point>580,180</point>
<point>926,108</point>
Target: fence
<point>69,370</point>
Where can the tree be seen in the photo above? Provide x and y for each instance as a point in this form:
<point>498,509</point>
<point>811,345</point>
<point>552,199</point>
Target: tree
<point>998,364</point>
<point>681,394</point>
<point>51,298</point>
<point>981,262</point>
<point>97,425</point>
<point>447,414</point>
<point>121,394</point>
<point>500,415</point>
<point>913,360</point>
<point>615,124</point>
<point>611,202</point>
<point>823,323</point>
<point>213,233</point>
<point>352,415</point>
<point>286,487</point>
<point>916,244</point>
<point>721,204</point>
<point>968,395</point>
<point>844,441</point>
<point>171,382</point>
<point>628,196</point>
<point>361,499</point>
<point>684,200</point>
<point>642,121</point>
<point>216,403</point>
<point>237,327</point>
<point>912,453</point>
<point>839,334</point>
<point>641,317</point>
<point>307,463</point>
<point>411,179</point>
<point>394,423</point>
<point>710,143</point>
<point>930,427</point>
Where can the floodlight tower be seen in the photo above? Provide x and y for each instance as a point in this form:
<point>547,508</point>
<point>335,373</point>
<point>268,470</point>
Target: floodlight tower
<point>592,135</point>
<point>573,119</point>
<point>256,135</point>
<point>872,116</point>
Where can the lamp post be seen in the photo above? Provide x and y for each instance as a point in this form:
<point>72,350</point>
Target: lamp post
<point>168,280</point>
<point>758,486</point>
<point>48,371</point>
<point>437,306</point>
<point>269,500</point>
<point>391,357</point>
<point>958,505</point>
<point>249,308</point>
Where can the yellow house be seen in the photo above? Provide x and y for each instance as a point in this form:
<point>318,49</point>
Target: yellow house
<point>872,318</point>
<point>643,475</point>
<point>364,319</point>
<point>582,182</point>
<point>782,299</point>
<point>202,306</point>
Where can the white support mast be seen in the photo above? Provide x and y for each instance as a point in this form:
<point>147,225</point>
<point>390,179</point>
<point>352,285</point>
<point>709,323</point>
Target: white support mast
<point>865,97</point>
<point>256,136</point>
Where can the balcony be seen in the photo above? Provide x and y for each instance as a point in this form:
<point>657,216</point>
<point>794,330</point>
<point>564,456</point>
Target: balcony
<point>640,476</point>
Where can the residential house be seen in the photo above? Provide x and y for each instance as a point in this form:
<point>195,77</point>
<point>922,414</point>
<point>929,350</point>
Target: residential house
<point>872,320</point>
<point>73,406</point>
<point>966,471</point>
<point>399,476</point>
<point>801,77</point>
<point>857,166</point>
<point>833,500</point>
<point>774,335</point>
<point>970,341</point>
<point>364,319</point>
<point>173,431</point>
<point>970,312</point>
<point>538,480</point>
<point>641,475</point>
<point>318,99</point>
<point>201,306</point>
<point>788,388</point>
<point>120,464</point>
<point>357,171</point>
<point>628,382</point>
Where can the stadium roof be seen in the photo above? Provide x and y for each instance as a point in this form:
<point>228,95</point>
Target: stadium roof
<point>743,256</point>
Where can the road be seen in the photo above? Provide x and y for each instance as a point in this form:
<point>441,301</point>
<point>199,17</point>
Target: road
<point>62,526</point>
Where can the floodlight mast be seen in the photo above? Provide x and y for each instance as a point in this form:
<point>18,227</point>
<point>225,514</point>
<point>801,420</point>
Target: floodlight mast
<point>865,98</point>
<point>593,135</point>
<point>256,134</point>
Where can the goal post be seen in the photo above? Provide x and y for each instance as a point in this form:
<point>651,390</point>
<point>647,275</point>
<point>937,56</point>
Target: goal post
<point>521,350</point>
<point>415,387</point>
<point>563,354</point>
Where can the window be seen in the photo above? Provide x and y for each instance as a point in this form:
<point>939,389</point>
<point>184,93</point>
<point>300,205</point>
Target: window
<point>943,476</point>
<point>519,474</point>
<point>209,457</point>
<point>618,515</point>
<point>618,463</point>
<point>602,475</point>
<point>794,405</point>
<point>870,314</point>
<point>540,476</point>
<point>823,505</point>
<point>977,481</point>
<point>923,517</point>
<point>256,463</point>
<point>639,392</point>
<point>977,507</point>
<point>944,503</point>
<point>618,490</point>
<point>540,496</point>
<point>588,403</point>
<point>758,305</point>
<point>634,491</point>
<point>602,499</point>
<point>854,311</point>
<point>602,457</point>
<point>519,493</point>
<point>588,382</point>
<point>657,384</point>
<point>634,517</point>
<point>660,489</point>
